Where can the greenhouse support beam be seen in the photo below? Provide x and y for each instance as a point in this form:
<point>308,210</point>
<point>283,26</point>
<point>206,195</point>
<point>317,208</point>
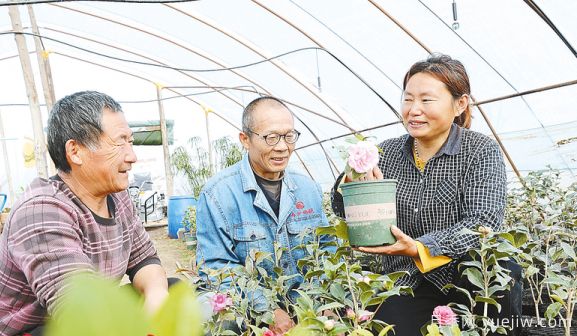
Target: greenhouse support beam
<point>6,162</point>
<point>141,78</point>
<point>350,133</point>
<point>39,143</point>
<point>501,145</point>
<point>524,93</point>
<point>247,44</point>
<point>304,165</point>
<point>382,10</point>
<point>493,131</point>
<point>45,75</point>
<point>165,149</point>
<point>310,37</point>
<point>181,45</point>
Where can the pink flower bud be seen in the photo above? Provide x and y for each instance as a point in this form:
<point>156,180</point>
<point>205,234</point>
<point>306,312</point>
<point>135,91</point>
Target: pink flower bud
<point>329,324</point>
<point>351,314</point>
<point>484,230</point>
<point>444,315</point>
<point>364,315</point>
<point>268,332</point>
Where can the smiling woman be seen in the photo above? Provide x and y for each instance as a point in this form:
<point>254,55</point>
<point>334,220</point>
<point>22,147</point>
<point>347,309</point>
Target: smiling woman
<point>449,179</point>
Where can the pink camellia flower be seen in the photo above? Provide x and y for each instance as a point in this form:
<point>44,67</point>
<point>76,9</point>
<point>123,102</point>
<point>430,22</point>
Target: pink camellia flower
<point>444,315</point>
<point>364,315</point>
<point>363,156</point>
<point>220,302</point>
<point>268,332</point>
<point>351,313</point>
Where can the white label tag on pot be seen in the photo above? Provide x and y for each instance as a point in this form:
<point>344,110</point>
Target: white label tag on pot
<point>370,212</point>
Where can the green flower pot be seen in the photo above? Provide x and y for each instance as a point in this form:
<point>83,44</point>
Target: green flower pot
<point>370,209</point>
<point>190,240</point>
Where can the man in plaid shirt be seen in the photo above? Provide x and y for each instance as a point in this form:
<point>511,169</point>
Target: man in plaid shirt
<point>81,220</point>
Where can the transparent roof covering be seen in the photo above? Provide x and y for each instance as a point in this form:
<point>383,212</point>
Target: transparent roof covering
<point>338,64</point>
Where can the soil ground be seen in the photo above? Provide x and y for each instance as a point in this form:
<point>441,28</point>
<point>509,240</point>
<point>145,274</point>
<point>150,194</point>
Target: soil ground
<point>169,250</point>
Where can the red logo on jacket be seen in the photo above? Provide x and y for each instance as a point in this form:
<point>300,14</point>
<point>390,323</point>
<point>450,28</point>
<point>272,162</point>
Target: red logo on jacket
<point>300,205</point>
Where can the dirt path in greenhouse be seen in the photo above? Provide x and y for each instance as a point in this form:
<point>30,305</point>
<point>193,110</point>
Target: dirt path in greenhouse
<point>169,250</point>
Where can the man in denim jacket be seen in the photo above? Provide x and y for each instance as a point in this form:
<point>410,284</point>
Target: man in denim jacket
<point>256,202</point>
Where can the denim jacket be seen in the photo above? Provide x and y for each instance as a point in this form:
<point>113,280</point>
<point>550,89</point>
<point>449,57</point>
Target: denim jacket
<point>234,217</point>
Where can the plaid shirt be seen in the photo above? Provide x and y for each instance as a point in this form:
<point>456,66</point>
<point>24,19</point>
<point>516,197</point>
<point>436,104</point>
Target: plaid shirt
<point>462,186</point>
<point>51,233</point>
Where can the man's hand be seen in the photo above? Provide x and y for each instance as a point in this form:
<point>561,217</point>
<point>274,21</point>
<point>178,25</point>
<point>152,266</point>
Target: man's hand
<point>282,322</point>
<point>153,299</point>
<point>151,282</point>
<point>374,174</point>
<point>405,245</point>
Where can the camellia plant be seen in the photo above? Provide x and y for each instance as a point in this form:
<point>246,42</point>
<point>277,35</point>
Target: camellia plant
<point>488,278</point>
<point>334,298</point>
<point>546,211</point>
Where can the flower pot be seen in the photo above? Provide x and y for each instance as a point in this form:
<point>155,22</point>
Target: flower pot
<point>190,240</point>
<point>370,210</point>
<point>180,233</point>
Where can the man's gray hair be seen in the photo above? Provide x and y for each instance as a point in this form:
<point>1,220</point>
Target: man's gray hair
<point>247,114</point>
<point>78,117</point>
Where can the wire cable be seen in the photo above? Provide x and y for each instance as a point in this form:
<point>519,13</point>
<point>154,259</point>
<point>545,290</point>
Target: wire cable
<point>214,90</point>
<point>34,2</point>
<point>550,23</point>
<point>219,69</point>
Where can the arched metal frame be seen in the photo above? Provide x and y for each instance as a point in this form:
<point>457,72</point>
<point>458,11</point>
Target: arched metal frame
<point>244,42</point>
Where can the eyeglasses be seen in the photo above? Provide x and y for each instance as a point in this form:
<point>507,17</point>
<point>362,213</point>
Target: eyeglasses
<point>273,138</point>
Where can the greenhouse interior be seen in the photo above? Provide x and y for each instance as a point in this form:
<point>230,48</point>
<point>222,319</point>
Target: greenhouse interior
<point>183,72</point>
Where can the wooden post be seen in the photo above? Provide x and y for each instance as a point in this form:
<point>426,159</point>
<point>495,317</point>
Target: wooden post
<point>6,162</point>
<point>45,74</point>
<point>164,137</point>
<point>39,143</point>
<point>211,167</point>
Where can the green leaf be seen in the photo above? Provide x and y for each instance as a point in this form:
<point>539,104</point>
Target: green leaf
<point>366,296</point>
<point>93,306</point>
<point>556,298</point>
<point>474,276</point>
<point>433,330</point>
<point>361,332</point>
<point>553,310</point>
<point>341,230</point>
<point>520,239</point>
<point>337,291</point>
<point>330,306</point>
<point>455,330</point>
<point>385,331</point>
<point>315,273</point>
<point>326,230</point>
<point>489,301</point>
<point>394,276</point>
<point>180,314</point>
<point>569,251</point>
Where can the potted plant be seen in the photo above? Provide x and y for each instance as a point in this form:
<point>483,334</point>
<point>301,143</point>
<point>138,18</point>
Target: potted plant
<point>189,223</point>
<point>370,206</point>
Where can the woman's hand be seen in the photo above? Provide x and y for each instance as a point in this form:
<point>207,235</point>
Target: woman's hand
<point>374,174</point>
<point>405,245</point>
